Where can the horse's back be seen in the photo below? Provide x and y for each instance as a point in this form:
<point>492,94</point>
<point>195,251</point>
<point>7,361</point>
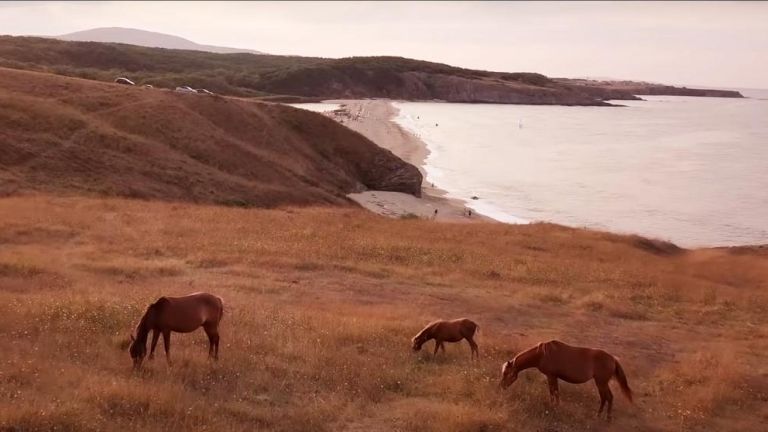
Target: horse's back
<point>465,327</point>
<point>197,296</point>
<point>556,345</point>
<point>186,313</point>
<point>574,363</point>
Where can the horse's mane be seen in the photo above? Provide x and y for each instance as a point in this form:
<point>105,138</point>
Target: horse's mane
<point>426,329</point>
<point>542,348</point>
<point>142,329</point>
<point>526,355</point>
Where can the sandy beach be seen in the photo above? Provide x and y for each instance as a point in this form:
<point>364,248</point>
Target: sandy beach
<point>373,119</point>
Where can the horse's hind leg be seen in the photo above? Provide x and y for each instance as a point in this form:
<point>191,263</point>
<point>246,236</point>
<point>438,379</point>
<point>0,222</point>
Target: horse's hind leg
<point>605,397</point>
<point>473,346</point>
<point>155,337</point>
<point>213,341</point>
<point>216,348</point>
<point>167,345</point>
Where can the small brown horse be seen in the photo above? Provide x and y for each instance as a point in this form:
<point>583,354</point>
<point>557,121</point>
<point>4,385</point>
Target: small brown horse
<point>178,314</point>
<point>575,365</point>
<point>447,331</point>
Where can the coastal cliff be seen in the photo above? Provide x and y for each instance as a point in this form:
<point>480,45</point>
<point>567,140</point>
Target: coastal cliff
<point>348,82</point>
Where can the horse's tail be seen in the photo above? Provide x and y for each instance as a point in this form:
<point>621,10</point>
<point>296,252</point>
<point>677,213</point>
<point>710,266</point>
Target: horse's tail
<point>622,379</point>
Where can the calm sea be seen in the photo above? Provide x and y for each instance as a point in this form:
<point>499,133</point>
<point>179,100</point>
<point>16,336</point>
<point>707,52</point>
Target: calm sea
<point>690,170</point>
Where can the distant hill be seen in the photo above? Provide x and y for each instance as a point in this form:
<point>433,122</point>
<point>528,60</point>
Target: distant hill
<point>292,78</point>
<point>147,39</point>
<point>72,136</point>
<point>646,88</point>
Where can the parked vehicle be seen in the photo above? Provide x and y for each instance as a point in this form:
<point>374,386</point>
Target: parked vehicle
<point>124,81</point>
<point>186,89</point>
<point>205,92</point>
<point>148,86</point>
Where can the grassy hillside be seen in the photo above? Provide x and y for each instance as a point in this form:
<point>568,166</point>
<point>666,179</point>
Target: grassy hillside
<point>234,74</point>
<point>316,336</point>
<point>357,77</point>
<point>264,75</point>
<point>74,136</point>
<point>645,88</point>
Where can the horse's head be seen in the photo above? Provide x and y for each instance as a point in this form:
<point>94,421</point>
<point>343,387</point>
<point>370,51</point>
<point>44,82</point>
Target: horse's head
<point>508,374</point>
<point>417,342</point>
<point>138,351</point>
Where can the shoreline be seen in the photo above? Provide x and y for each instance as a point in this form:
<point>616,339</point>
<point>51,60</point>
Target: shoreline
<point>374,119</point>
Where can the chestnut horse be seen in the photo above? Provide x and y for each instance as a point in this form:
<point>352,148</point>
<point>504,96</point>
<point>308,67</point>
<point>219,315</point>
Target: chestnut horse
<point>575,365</point>
<point>447,331</point>
<point>178,314</point>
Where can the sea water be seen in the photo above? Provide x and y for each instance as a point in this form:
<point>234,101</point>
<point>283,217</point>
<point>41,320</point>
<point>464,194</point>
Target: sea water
<point>690,170</point>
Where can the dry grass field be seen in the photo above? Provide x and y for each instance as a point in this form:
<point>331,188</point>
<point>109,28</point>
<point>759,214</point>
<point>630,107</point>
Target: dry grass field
<point>320,305</point>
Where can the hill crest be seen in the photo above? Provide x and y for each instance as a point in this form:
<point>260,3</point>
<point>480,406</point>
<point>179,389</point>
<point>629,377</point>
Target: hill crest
<point>147,38</point>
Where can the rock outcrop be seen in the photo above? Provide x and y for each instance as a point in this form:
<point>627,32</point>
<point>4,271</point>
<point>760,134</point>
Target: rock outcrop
<point>414,85</point>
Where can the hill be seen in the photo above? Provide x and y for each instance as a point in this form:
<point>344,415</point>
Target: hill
<point>72,136</point>
<point>146,38</point>
<point>320,306</point>
<point>230,74</point>
<point>269,76</point>
<point>645,88</point>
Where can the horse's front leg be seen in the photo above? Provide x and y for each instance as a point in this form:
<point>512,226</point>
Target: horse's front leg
<point>155,337</point>
<point>438,346</point>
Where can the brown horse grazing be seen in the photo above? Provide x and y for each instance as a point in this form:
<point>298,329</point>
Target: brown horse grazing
<point>571,364</point>
<point>447,331</point>
<point>178,314</point>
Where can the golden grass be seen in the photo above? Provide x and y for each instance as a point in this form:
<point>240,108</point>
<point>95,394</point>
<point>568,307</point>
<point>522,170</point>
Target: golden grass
<point>320,305</point>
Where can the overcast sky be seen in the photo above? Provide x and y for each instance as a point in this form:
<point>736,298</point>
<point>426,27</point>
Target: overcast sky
<point>709,43</point>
